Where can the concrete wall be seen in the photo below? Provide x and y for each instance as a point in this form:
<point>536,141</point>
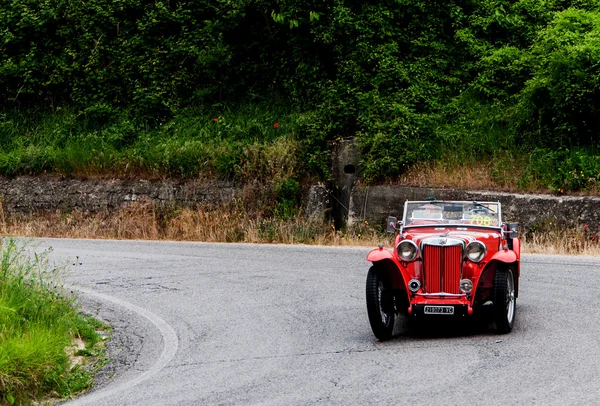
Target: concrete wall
<point>345,164</point>
<point>376,203</point>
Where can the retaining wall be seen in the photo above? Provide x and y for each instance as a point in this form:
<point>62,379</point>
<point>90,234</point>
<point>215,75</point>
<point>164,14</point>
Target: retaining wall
<point>376,203</point>
<point>373,203</point>
<point>26,194</point>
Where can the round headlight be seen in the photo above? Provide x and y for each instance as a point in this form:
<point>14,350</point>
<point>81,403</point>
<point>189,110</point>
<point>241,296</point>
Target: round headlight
<point>466,285</point>
<point>414,285</point>
<point>407,250</point>
<point>475,251</point>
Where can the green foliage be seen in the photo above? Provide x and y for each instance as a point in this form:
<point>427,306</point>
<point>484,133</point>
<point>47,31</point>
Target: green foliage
<point>502,73</point>
<point>288,193</point>
<point>560,102</point>
<point>474,130</point>
<point>534,85</point>
<point>37,322</point>
<point>413,81</point>
<point>563,170</point>
<point>395,139</point>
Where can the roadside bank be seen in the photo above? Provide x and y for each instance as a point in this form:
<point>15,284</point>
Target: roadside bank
<point>220,211</point>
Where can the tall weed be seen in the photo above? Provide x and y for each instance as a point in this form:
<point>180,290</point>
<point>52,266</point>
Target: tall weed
<point>37,322</point>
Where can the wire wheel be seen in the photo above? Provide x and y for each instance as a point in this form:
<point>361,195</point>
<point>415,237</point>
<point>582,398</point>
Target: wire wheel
<point>505,304</point>
<point>380,304</point>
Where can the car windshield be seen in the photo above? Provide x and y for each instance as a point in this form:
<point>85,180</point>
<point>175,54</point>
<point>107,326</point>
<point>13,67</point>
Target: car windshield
<point>484,214</point>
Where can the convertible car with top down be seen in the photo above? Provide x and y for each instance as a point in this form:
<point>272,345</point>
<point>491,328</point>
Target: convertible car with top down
<point>450,258</point>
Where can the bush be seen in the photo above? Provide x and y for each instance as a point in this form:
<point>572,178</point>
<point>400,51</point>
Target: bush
<point>393,141</point>
<point>141,83</point>
<point>560,104</point>
<point>566,170</point>
<point>289,193</point>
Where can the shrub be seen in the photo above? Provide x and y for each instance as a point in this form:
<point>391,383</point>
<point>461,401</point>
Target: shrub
<point>566,170</point>
<point>393,141</point>
<point>289,193</point>
<point>560,104</point>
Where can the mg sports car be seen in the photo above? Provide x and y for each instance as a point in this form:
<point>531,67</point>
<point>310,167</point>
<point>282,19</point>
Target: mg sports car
<point>450,258</point>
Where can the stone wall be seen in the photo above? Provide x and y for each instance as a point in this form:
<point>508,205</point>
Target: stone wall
<point>373,203</point>
<point>376,203</point>
<point>34,194</point>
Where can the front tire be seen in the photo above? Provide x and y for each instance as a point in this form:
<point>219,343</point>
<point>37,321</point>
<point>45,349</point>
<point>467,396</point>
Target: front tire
<point>505,300</point>
<point>380,304</point>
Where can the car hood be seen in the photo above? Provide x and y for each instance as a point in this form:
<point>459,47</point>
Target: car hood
<point>491,238</point>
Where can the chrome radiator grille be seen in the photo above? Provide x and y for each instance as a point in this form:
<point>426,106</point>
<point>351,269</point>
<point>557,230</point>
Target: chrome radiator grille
<point>442,268</point>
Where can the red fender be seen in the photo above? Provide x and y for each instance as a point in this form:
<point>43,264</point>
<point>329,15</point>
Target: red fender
<point>517,246</point>
<point>506,256</point>
<point>517,249</point>
<point>379,254</point>
<point>398,274</point>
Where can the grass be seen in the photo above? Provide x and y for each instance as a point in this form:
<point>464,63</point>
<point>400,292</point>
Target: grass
<point>507,173</point>
<point>475,149</point>
<point>563,242</point>
<point>480,146</point>
<point>230,223</point>
<point>262,147</point>
<point>212,142</point>
<point>233,223</point>
<point>38,323</point>
<point>474,176</point>
<point>263,142</point>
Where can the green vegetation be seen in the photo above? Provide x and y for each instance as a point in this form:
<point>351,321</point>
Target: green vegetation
<point>131,88</point>
<point>229,144</point>
<point>37,323</point>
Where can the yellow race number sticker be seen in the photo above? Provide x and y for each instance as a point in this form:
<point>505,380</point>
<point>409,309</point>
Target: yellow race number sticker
<point>481,220</point>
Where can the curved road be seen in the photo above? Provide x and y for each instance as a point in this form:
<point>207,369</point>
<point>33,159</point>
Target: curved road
<point>207,324</point>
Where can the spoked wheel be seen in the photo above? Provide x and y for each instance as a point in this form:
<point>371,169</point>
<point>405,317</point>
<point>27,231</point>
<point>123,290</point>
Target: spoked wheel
<point>504,300</point>
<point>380,304</point>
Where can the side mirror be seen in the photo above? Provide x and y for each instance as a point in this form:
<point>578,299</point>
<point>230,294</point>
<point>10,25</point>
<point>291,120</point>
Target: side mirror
<point>392,225</point>
<point>512,230</point>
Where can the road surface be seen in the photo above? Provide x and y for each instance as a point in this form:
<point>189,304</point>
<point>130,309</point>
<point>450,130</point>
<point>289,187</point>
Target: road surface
<point>229,324</point>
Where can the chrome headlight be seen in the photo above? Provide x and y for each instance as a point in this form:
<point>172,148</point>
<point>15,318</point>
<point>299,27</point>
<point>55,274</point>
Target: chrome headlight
<point>466,285</point>
<point>414,285</point>
<point>407,250</point>
<point>475,251</point>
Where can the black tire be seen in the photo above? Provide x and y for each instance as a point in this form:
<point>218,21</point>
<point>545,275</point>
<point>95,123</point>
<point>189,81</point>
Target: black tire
<point>505,300</point>
<point>380,304</point>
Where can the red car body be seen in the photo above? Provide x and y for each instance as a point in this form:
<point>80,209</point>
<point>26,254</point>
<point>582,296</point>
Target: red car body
<point>446,277</point>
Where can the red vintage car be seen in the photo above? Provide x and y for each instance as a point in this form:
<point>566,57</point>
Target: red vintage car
<point>450,259</point>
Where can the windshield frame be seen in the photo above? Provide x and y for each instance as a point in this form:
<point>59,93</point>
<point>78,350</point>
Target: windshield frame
<point>445,225</point>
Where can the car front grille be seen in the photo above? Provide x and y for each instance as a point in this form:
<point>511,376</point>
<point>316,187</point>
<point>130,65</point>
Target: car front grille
<point>442,268</point>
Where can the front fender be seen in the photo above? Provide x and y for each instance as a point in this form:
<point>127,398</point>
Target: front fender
<point>517,249</point>
<point>516,245</point>
<point>379,254</point>
<point>506,256</point>
<point>386,261</point>
<point>501,258</point>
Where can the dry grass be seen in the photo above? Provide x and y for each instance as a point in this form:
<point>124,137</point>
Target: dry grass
<point>234,224</point>
<point>209,224</point>
<point>472,177</point>
<point>564,242</point>
<point>505,176</point>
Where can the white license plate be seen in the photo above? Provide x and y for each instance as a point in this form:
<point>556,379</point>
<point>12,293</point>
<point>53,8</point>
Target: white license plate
<point>439,310</point>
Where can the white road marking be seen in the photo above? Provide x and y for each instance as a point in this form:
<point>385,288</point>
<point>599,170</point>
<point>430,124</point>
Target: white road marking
<point>170,345</point>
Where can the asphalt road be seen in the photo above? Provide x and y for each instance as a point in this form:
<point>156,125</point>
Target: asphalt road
<point>217,324</point>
